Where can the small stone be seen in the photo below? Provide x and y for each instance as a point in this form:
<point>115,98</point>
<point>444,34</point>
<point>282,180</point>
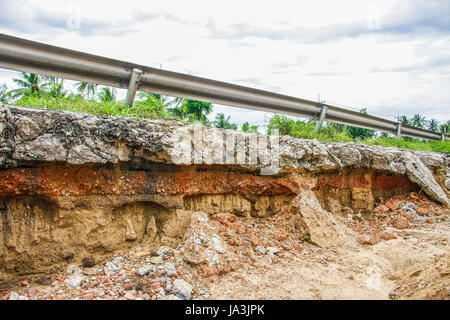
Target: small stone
<point>91,271</point>
<point>409,208</point>
<point>75,281</point>
<point>387,236</point>
<point>369,239</point>
<point>32,292</point>
<point>155,285</point>
<point>16,296</point>
<point>164,251</point>
<point>44,281</point>
<point>88,296</point>
<point>118,261</point>
<point>382,209</point>
<point>128,286</point>
<point>423,211</point>
<point>182,287</point>
<point>88,262</point>
<point>73,269</point>
<point>144,270</point>
<point>261,249</point>
<point>271,251</point>
<point>170,269</point>
<point>110,268</point>
<point>156,260</point>
<point>146,296</point>
<point>24,283</point>
<point>130,295</point>
<point>401,223</point>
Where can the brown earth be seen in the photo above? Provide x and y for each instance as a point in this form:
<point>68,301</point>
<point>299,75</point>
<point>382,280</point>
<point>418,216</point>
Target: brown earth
<point>59,214</point>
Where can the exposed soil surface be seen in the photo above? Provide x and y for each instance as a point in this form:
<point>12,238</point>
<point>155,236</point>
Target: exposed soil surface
<point>399,251</point>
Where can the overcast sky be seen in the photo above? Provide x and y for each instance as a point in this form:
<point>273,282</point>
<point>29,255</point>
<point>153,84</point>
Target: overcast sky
<point>388,56</point>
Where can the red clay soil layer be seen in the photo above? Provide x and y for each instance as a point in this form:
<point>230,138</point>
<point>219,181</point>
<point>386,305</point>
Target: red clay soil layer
<point>113,180</point>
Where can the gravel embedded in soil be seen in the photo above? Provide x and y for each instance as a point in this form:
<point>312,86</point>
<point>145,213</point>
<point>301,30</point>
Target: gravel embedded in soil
<point>228,257</point>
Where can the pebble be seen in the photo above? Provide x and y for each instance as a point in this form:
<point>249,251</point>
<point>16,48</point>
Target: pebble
<point>16,296</point>
<point>156,260</point>
<point>118,261</point>
<point>164,251</point>
<point>91,271</point>
<point>24,283</point>
<point>44,281</point>
<point>146,296</point>
<point>271,251</point>
<point>130,295</point>
<point>88,262</point>
<point>182,287</point>
<point>88,296</point>
<point>75,281</point>
<point>170,269</point>
<point>144,270</point>
<point>31,292</point>
<point>73,269</point>
<point>261,249</point>
<point>110,268</point>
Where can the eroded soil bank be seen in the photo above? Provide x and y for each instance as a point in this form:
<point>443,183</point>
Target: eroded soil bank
<point>333,221</point>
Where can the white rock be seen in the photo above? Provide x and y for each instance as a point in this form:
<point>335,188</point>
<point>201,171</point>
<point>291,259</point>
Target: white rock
<point>181,286</point>
<point>118,261</point>
<point>261,249</point>
<point>409,207</point>
<point>75,281</point>
<point>16,296</point>
<point>73,269</point>
<point>91,271</point>
<point>110,268</point>
<point>144,270</point>
<point>130,295</point>
<point>170,269</point>
<point>164,251</point>
<point>271,251</point>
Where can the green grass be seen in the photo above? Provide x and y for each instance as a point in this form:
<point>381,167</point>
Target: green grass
<point>410,143</point>
<point>140,109</point>
<point>338,133</point>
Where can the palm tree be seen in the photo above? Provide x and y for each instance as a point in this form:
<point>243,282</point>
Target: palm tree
<point>178,112</point>
<point>107,94</point>
<point>222,122</point>
<point>284,125</point>
<point>57,88</point>
<point>418,121</point>
<point>29,84</point>
<point>87,87</point>
<point>404,120</point>
<point>151,103</point>
<point>433,125</point>
<point>4,95</point>
<point>198,109</point>
<point>445,127</point>
<point>250,129</point>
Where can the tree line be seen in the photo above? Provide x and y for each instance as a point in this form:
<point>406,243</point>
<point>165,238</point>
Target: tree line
<point>35,86</point>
